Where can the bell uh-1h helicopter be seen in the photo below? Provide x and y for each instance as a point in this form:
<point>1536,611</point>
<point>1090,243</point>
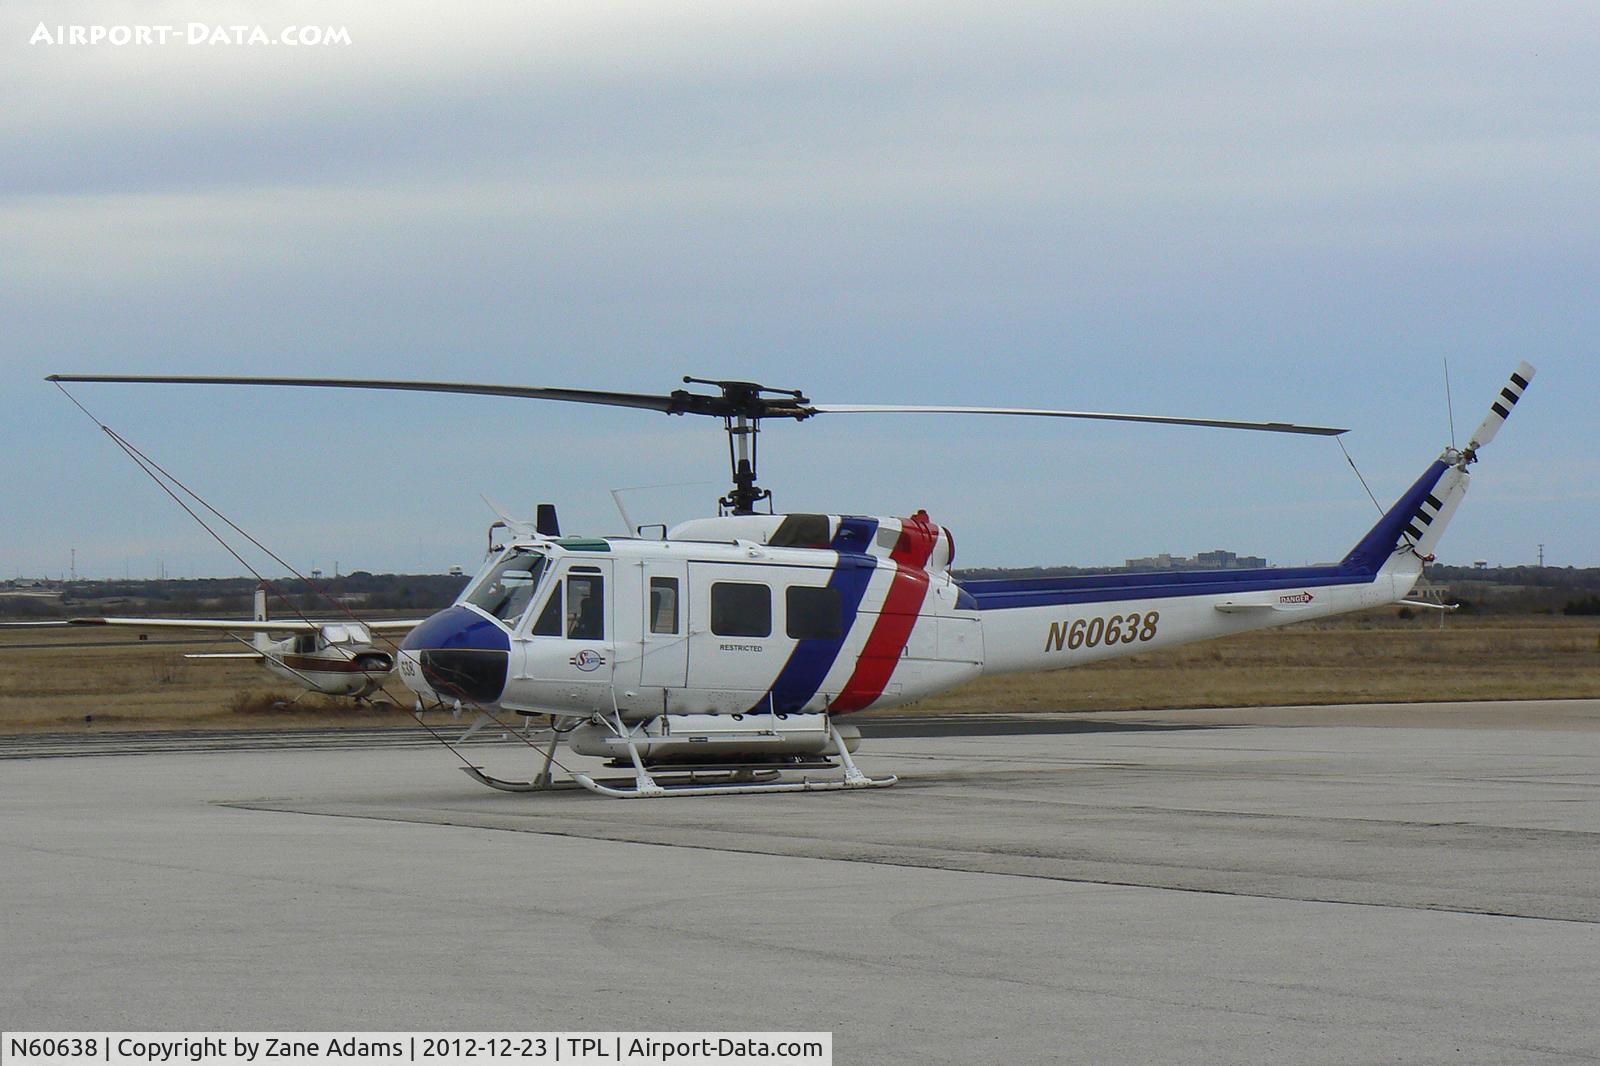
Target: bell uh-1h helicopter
<point>734,645</point>
<point>333,658</point>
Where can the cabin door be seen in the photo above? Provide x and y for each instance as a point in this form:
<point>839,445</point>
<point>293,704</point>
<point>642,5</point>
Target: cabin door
<point>664,652</point>
<point>570,651</point>
<point>737,645</point>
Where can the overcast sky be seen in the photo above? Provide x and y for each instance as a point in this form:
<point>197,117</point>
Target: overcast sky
<point>1260,211</point>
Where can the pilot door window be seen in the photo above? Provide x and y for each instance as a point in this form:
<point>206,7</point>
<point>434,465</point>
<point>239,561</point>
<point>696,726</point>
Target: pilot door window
<point>663,605</point>
<point>586,618</point>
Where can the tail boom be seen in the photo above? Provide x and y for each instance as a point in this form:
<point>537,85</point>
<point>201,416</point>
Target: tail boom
<point>1053,623</point>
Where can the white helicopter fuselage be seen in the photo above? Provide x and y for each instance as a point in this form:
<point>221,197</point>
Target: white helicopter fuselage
<point>732,623</point>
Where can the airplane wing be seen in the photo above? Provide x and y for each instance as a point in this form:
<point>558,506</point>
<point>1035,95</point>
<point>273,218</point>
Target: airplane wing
<point>227,625</point>
<point>240,625</point>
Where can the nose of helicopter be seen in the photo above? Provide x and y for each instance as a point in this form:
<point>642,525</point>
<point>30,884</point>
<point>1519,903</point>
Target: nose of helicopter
<point>456,654</point>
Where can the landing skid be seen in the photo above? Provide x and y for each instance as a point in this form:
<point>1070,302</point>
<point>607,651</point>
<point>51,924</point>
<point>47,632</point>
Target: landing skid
<point>542,784</point>
<point>650,788</point>
<point>741,782</point>
<point>737,778</point>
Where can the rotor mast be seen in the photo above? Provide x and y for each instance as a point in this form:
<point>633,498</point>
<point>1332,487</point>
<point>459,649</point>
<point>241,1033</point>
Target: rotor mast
<point>743,408</point>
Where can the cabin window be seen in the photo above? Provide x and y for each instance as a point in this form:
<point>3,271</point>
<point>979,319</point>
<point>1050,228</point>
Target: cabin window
<point>814,613</point>
<point>586,607</point>
<point>663,605</point>
<point>549,623</point>
<point>741,609</point>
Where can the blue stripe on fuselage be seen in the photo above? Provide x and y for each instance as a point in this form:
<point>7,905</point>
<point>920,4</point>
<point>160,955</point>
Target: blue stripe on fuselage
<point>812,658</point>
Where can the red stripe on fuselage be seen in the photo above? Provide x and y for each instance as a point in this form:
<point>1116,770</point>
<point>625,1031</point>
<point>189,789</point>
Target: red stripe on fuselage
<point>896,619</point>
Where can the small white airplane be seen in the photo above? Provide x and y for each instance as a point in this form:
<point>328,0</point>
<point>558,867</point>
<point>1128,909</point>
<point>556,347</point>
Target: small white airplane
<point>331,658</point>
<point>732,646</point>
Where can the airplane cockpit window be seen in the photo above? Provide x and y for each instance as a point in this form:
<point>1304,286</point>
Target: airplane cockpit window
<point>509,587</point>
<point>346,634</point>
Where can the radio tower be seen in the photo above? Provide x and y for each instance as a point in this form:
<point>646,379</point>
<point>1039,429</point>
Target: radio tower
<point>1541,557</point>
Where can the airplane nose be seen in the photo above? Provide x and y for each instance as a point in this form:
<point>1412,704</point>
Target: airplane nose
<point>456,654</point>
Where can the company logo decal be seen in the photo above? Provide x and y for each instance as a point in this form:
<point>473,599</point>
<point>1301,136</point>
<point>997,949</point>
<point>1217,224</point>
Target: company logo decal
<point>588,660</point>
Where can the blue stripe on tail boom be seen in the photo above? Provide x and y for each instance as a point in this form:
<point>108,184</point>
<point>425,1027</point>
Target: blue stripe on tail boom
<point>1109,588</point>
<point>1358,568</point>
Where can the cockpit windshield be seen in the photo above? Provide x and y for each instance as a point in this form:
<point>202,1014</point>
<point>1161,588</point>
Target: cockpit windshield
<point>508,588</point>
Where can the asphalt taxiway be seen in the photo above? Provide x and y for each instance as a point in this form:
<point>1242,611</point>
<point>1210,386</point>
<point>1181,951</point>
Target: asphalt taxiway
<point>1403,884</point>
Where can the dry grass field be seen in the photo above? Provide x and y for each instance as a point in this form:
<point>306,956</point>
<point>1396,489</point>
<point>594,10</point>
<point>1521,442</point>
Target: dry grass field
<point>1372,658</point>
<point>58,680</point>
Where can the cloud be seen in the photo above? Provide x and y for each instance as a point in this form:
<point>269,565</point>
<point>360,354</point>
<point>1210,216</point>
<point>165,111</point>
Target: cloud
<point>1251,210</point>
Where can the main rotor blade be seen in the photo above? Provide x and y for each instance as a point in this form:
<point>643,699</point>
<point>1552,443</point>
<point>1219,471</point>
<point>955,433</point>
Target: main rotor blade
<point>680,404</point>
<point>1105,416</point>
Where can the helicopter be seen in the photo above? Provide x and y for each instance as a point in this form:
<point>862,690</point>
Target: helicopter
<point>332,658</point>
<point>721,656</point>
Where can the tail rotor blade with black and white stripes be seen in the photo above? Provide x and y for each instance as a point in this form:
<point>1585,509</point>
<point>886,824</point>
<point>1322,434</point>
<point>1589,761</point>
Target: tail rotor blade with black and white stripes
<point>1500,410</point>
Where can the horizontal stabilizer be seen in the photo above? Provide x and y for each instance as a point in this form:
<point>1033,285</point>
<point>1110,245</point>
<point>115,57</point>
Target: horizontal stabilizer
<point>254,656</point>
<point>1432,606</point>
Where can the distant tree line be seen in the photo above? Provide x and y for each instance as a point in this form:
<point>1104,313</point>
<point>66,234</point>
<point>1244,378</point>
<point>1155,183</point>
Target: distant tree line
<point>1514,589</point>
<point>234,596</point>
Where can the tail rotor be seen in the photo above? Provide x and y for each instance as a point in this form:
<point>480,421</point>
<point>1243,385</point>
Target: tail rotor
<point>1500,410</point>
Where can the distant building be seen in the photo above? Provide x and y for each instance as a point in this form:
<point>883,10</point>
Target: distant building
<point>1220,559</point>
<point>1163,561</point>
<point>1429,592</point>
